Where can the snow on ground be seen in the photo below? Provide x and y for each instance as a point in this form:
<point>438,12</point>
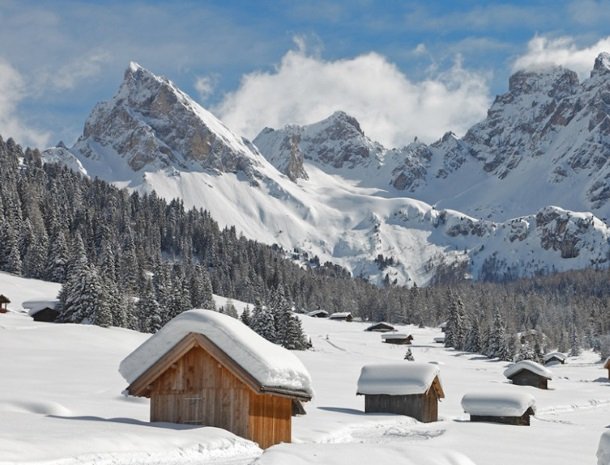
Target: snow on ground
<point>61,403</point>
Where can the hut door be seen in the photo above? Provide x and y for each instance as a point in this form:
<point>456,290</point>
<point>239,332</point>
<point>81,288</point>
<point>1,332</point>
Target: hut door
<point>191,410</point>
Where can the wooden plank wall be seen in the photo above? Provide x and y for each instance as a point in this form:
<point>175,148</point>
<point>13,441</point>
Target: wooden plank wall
<point>270,419</point>
<point>420,406</point>
<point>198,390</point>
<point>527,378</point>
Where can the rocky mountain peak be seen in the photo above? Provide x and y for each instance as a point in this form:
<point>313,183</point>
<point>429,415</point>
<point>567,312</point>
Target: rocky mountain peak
<point>344,121</point>
<point>152,125</point>
<point>555,82</point>
<point>602,64</point>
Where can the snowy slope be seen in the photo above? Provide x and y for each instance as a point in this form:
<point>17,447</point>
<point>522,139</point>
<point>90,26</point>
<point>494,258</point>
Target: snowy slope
<point>61,404</point>
<point>337,194</point>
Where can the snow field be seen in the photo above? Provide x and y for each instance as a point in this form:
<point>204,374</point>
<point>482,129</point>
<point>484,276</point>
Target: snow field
<point>61,403</point>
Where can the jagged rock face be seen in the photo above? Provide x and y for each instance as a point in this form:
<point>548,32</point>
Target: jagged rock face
<point>337,142</point>
<point>152,124</point>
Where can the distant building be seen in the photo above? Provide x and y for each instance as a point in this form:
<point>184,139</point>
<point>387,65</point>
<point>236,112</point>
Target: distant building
<point>439,339</point>
<point>381,327</point>
<point>341,316</point>
<point>607,366</point>
<point>206,368</point>
<point>318,314</point>
<point>397,338</point>
<point>42,310</point>
<point>511,408</point>
<point>528,373</point>
<point>554,358</point>
<point>3,303</point>
<point>407,388</point>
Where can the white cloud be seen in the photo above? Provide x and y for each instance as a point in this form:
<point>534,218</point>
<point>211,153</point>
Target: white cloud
<point>204,85</point>
<point>391,108</point>
<point>12,91</point>
<point>68,76</point>
<point>543,52</point>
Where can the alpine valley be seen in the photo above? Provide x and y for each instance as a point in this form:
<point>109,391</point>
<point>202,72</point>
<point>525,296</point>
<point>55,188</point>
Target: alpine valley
<point>525,191</point>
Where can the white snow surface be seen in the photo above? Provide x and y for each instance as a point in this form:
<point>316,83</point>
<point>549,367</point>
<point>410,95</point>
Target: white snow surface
<point>60,403</point>
<point>396,379</point>
<point>603,450</point>
<point>365,454</point>
<point>270,364</point>
<point>529,365</point>
<point>498,404</point>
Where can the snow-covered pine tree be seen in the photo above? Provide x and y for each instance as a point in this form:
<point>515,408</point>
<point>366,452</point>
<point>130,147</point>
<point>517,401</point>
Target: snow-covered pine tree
<point>246,316</point>
<point>148,311</point>
<point>262,322</point>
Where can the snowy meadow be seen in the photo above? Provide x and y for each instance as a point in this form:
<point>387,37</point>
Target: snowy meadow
<point>61,403</point>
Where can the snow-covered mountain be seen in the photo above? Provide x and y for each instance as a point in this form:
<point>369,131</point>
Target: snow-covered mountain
<point>328,190</point>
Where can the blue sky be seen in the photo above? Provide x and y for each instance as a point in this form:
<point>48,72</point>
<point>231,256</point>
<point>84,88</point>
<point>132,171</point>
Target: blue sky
<point>404,69</point>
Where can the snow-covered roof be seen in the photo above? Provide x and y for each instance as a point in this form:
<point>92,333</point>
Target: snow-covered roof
<point>34,306</point>
<point>498,404</point>
<point>557,355</point>
<point>270,364</point>
<point>405,378</point>
<point>395,336</point>
<point>439,339</point>
<point>340,315</point>
<point>530,366</point>
<point>317,312</point>
<point>381,324</point>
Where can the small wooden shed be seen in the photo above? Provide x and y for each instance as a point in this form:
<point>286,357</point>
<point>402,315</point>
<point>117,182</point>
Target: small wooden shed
<point>407,388</point>
<point>207,368</point>
<point>510,408</point>
<point>341,316</point>
<point>3,303</point>
<point>554,358</point>
<point>381,327</point>
<point>607,366</point>
<point>318,313</point>
<point>397,338</point>
<point>42,310</point>
<point>529,373</point>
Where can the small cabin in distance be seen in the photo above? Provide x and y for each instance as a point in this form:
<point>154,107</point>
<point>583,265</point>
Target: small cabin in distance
<point>411,389</point>
<point>381,327</point>
<point>528,373</point>
<point>509,408</point>
<point>3,303</point>
<point>554,358</point>
<point>341,316</point>
<point>318,314</point>
<point>397,338</point>
<point>206,368</point>
<point>42,310</point>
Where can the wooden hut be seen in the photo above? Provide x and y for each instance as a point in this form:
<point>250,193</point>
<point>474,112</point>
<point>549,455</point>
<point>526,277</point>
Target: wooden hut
<point>554,358</point>
<point>207,368</point>
<point>318,313</point>
<point>341,316</point>
<point>510,408</point>
<point>407,388</point>
<point>381,327</point>
<point>528,373</point>
<point>607,366</point>
<point>3,303</point>
<point>42,310</point>
<point>397,338</point>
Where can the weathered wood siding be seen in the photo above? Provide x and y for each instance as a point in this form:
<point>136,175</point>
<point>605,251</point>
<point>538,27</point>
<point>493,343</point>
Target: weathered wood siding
<point>270,419</point>
<point>523,420</point>
<point>198,390</point>
<point>423,407</point>
<point>527,378</point>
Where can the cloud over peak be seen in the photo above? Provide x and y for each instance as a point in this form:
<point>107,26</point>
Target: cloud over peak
<point>391,108</point>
